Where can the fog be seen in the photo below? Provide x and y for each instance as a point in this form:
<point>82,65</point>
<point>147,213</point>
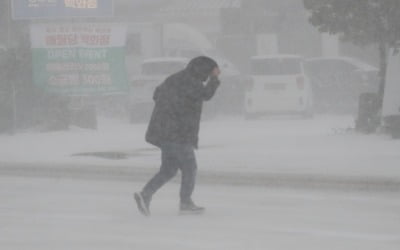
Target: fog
<point>298,147</point>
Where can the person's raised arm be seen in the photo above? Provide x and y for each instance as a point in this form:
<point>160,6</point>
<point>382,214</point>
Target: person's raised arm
<point>207,91</point>
<point>212,84</point>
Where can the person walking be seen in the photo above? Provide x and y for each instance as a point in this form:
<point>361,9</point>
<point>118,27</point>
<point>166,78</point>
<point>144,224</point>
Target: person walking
<point>174,128</point>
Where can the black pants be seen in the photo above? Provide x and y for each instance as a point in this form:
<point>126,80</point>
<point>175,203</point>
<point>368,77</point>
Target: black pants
<point>173,157</point>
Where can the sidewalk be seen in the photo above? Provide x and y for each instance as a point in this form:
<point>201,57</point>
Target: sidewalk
<point>317,153</point>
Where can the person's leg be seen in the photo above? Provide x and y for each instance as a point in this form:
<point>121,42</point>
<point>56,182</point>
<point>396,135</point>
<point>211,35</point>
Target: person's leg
<point>168,169</point>
<point>188,167</point>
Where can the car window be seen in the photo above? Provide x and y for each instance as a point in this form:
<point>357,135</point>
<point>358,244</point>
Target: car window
<point>330,65</point>
<point>162,68</point>
<point>276,66</point>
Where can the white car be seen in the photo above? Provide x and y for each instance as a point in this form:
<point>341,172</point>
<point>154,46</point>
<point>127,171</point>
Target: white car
<point>338,82</point>
<point>278,85</point>
<point>153,72</point>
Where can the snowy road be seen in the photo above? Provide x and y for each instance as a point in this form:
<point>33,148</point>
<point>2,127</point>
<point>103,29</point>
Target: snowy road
<point>61,213</point>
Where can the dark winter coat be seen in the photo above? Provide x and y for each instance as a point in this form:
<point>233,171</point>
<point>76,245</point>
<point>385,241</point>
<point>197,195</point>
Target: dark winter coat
<point>178,104</point>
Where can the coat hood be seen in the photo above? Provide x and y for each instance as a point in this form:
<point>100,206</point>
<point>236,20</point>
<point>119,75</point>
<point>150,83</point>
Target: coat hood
<point>201,67</point>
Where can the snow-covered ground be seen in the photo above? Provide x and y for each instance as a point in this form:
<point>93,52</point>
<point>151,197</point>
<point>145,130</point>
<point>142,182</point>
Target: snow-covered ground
<point>278,145</point>
<point>57,213</point>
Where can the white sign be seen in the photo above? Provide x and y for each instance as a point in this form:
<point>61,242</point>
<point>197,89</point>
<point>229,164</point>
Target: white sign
<point>93,35</point>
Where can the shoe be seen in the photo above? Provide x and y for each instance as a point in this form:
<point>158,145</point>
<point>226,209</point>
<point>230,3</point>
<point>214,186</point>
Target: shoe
<point>190,208</point>
<point>143,204</point>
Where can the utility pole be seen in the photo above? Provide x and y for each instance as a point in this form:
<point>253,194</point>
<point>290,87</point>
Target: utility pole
<point>12,74</point>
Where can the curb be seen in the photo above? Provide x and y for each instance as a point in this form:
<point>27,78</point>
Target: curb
<point>268,180</point>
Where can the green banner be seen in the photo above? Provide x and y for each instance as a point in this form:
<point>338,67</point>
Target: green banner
<point>85,60</point>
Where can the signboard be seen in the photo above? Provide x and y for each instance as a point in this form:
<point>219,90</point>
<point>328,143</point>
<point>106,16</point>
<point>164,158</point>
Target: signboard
<point>79,58</point>
<point>33,9</point>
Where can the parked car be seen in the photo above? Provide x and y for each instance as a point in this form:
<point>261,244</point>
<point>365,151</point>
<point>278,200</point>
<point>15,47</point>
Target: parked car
<point>278,85</point>
<point>153,72</point>
<point>338,82</point>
